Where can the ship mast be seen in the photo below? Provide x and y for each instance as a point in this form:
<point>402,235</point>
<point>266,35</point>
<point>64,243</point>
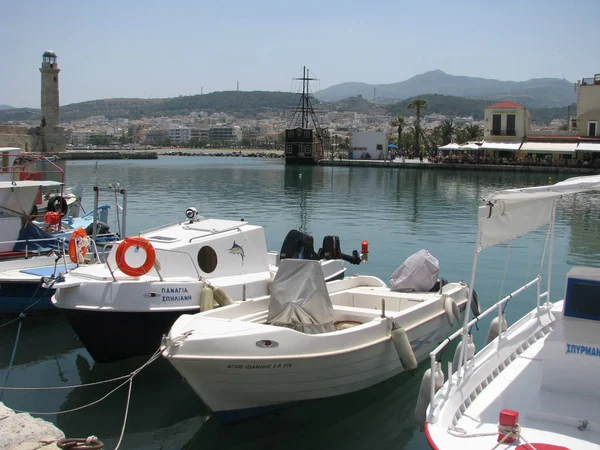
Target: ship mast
<point>304,112</point>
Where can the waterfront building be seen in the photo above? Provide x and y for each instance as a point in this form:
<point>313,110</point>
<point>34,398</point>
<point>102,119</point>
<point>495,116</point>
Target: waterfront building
<point>369,145</point>
<point>199,133</point>
<point>225,134</point>
<point>180,135</point>
<point>505,126</point>
<point>588,107</point>
<point>156,136</point>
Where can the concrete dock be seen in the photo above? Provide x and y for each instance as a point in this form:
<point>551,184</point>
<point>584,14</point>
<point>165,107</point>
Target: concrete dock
<point>21,431</point>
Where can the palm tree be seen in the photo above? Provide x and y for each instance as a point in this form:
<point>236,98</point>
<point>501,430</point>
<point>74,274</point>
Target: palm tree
<point>447,131</point>
<point>418,104</point>
<point>398,122</point>
<point>473,132</point>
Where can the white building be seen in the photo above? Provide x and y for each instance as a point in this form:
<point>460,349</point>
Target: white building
<point>369,145</point>
<point>180,135</point>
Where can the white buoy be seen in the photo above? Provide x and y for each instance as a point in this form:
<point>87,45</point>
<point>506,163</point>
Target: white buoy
<point>451,309</point>
<point>496,327</point>
<point>206,299</point>
<point>221,297</point>
<point>425,394</point>
<point>470,352</point>
<point>403,347</point>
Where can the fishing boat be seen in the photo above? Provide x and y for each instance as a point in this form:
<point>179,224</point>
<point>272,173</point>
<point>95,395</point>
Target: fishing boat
<point>305,139</point>
<point>308,339</point>
<point>37,220</point>
<point>121,308</point>
<point>535,385</point>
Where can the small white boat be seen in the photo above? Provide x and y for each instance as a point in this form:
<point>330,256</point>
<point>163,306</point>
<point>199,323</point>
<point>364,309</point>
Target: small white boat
<point>308,339</point>
<point>535,386</point>
<point>122,307</point>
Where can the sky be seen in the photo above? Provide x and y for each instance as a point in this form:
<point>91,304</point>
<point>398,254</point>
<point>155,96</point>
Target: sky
<point>158,49</point>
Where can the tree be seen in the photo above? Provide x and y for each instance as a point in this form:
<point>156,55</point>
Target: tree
<point>418,104</point>
<point>398,122</point>
<point>446,131</point>
<point>473,132</point>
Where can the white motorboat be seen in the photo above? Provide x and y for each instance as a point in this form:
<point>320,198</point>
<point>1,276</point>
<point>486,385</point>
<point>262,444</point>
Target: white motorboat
<point>534,386</point>
<point>308,339</point>
<point>122,307</point>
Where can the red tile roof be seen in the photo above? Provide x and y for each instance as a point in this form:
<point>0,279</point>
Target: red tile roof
<point>506,104</point>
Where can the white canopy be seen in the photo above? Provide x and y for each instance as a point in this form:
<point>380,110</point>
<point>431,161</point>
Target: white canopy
<point>469,146</point>
<point>549,147</point>
<point>451,146</point>
<point>18,198</point>
<point>511,213</point>
<point>588,147</point>
<point>299,297</point>
<point>489,145</point>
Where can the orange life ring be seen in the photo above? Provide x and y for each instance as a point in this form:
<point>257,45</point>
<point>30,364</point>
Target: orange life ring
<point>79,233</point>
<point>139,242</point>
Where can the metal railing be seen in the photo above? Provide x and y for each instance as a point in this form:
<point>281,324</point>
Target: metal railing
<point>463,332</point>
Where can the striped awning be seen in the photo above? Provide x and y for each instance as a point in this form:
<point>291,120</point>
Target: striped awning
<point>549,147</point>
<point>588,147</point>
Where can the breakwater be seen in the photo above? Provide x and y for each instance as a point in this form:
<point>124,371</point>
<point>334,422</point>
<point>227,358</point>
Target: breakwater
<point>21,431</point>
<point>78,155</point>
<point>230,153</point>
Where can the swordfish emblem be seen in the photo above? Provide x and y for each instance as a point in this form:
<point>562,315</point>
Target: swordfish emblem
<point>237,250</point>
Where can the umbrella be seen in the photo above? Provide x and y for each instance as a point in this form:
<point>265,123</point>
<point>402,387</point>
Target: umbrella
<point>392,146</point>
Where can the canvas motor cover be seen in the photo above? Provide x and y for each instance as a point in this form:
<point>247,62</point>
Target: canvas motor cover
<point>299,298</point>
<point>418,273</point>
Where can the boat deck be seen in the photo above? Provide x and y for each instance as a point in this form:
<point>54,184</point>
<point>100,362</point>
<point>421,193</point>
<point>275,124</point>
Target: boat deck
<point>550,417</point>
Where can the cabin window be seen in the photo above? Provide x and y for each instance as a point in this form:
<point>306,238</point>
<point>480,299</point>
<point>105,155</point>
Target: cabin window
<point>207,259</point>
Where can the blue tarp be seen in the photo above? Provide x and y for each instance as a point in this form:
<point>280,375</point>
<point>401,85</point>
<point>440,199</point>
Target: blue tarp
<point>31,233</point>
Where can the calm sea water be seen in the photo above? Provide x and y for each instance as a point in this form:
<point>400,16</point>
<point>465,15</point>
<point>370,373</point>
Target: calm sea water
<point>398,211</point>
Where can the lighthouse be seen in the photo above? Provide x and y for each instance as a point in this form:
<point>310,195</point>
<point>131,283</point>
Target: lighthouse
<point>52,136</point>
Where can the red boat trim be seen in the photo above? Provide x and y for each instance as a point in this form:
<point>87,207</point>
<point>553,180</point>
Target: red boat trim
<point>429,438</point>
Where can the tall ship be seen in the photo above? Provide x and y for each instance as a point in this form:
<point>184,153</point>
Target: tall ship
<point>305,139</point>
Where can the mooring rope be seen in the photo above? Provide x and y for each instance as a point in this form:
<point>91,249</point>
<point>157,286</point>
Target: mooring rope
<point>508,431</point>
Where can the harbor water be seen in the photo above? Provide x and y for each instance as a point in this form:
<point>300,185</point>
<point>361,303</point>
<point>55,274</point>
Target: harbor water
<point>398,211</point>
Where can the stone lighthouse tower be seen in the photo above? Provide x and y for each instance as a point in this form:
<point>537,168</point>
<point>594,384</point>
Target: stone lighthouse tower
<point>52,136</point>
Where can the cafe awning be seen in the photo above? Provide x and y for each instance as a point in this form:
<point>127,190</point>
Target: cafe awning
<point>549,147</point>
<point>502,146</point>
<point>588,147</point>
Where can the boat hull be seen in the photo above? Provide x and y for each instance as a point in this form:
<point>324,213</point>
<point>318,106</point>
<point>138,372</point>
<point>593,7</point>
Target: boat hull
<point>238,388</point>
<point>300,161</point>
<point>25,297</point>
<point>113,335</point>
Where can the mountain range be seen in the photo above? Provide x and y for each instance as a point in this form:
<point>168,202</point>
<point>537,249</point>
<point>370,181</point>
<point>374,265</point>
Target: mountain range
<point>446,94</point>
<point>534,93</point>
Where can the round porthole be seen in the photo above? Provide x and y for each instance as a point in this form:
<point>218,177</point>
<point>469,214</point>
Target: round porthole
<point>207,259</point>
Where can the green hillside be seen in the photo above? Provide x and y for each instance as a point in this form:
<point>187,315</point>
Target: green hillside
<point>261,104</point>
<point>451,106</point>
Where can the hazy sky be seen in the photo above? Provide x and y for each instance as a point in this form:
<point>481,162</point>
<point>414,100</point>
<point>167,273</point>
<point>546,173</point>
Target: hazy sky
<point>132,48</point>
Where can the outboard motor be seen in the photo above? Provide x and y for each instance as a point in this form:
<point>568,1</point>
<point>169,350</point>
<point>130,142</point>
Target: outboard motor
<point>331,250</point>
<point>298,245</point>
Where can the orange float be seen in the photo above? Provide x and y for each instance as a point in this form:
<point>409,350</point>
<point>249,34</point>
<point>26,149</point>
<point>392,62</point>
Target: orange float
<point>138,242</point>
<point>76,252</point>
